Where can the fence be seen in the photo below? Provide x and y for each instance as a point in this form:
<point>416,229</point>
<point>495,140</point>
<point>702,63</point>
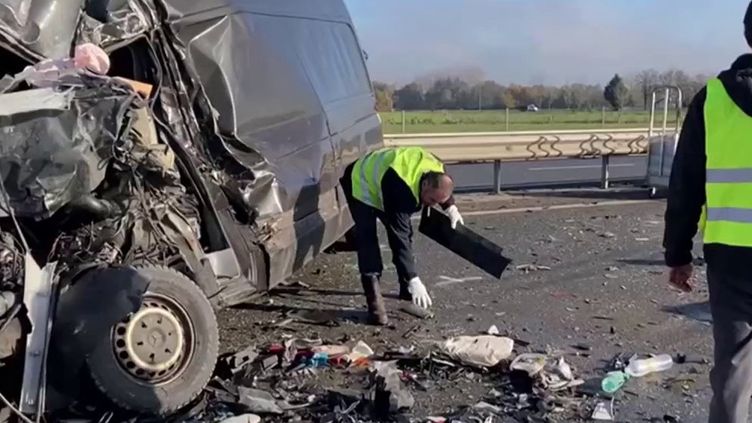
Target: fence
<point>510,120</point>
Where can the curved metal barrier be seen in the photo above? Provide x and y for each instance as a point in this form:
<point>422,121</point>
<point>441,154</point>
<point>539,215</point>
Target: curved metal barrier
<point>497,147</point>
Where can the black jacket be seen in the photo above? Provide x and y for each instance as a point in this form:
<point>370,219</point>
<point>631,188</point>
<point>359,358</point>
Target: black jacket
<point>687,187</point>
<point>399,206</point>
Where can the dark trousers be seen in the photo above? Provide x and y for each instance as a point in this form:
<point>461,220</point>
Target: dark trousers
<point>731,377</point>
<point>367,242</point>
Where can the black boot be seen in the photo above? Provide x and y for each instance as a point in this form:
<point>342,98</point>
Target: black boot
<point>374,300</point>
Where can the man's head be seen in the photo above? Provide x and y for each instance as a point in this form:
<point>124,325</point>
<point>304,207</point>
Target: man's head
<point>436,188</point>
<point>748,25</point>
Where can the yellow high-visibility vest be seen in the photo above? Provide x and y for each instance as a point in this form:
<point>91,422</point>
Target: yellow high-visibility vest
<point>410,164</point>
<point>727,215</point>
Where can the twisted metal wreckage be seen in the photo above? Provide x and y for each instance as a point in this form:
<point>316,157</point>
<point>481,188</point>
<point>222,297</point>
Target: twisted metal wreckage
<point>118,195</point>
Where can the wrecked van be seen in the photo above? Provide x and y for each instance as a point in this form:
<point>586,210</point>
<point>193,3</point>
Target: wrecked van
<point>201,170</point>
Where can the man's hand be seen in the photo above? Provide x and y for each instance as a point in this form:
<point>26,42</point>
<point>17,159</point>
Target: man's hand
<point>419,293</point>
<point>679,277</point>
<point>454,216</point>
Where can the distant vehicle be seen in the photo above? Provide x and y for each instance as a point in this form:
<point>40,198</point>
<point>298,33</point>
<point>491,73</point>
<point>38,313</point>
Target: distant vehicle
<point>148,209</point>
<point>533,108</point>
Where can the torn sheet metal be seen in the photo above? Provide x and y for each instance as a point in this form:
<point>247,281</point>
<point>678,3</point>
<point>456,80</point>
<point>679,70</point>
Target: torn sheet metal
<point>40,294</point>
<point>464,242</point>
<point>47,29</point>
<point>41,100</point>
<point>40,28</point>
<point>111,23</point>
<point>282,143</point>
<point>56,143</point>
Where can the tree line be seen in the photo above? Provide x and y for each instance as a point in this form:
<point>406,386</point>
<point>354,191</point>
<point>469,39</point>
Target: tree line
<point>455,94</point>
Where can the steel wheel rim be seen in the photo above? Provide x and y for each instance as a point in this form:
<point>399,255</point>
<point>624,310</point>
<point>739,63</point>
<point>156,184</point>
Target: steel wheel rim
<point>155,344</point>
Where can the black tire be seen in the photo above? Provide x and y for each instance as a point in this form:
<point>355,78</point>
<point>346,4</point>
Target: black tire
<point>154,396</point>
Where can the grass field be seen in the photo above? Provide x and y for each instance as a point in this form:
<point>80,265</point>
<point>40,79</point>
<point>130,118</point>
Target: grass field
<point>495,120</point>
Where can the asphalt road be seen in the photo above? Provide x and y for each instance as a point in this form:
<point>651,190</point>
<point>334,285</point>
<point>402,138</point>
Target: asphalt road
<point>605,290</point>
<point>555,172</point>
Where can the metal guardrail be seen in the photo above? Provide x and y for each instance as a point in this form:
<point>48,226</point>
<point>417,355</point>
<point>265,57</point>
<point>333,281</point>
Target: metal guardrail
<point>497,147</point>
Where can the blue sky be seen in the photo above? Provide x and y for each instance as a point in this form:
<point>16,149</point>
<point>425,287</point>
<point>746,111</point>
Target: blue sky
<point>547,41</point>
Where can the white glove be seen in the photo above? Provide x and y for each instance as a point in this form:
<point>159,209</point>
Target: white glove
<point>455,216</point>
<point>419,293</point>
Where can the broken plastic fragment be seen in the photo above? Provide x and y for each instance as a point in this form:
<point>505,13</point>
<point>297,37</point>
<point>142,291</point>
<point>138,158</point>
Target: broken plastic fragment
<point>258,401</point>
<point>563,369</point>
<point>360,354</point>
<point>602,412</point>
<point>530,363</point>
<point>245,418</point>
<point>332,350</point>
<point>484,406</point>
<point>391,395</point>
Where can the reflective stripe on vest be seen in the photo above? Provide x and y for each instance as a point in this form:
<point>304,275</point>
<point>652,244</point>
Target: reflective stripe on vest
<point>727,215</point>
<point>410,164</point>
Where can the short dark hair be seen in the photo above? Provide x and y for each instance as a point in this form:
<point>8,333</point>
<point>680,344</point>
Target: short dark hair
<point>434,178</point>
<point>748,25</point>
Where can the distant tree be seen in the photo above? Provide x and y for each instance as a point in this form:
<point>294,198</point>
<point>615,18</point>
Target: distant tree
<point>455,93</point>
<point>384,97</point>
<point>448,93</point>
<point>537,95</point>
<point>521,95</point>
<point>690,86</point>
<point>616,93</point>
<point>575,97</point>
<point>410,97</point>
<point>646,82</point>
<point>695,85</point>
<point>507,99</point>
<point>486,95</point>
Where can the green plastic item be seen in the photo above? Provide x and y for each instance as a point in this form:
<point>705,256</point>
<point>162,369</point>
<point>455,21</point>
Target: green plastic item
<point>614,381</point>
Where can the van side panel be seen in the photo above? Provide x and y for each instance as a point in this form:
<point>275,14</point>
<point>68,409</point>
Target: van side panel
<point>294,106</point>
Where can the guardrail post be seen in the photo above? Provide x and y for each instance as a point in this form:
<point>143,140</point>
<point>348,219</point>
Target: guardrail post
<point>497,176</point>
<point>604,171</point>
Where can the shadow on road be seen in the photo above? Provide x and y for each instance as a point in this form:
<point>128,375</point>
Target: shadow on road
<point>309,315</point>
<point>643,262</point>
<point>310,292</point>
<point>695,311</point>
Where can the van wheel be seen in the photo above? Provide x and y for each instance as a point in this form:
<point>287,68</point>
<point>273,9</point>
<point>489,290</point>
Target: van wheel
<point>159,359</point>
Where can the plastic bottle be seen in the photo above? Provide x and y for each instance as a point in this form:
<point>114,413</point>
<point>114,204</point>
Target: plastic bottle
<point>659,363</point>
<point>614,381</point>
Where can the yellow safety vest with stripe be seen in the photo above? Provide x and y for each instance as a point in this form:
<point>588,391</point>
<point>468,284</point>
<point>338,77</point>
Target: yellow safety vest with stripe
<point>727,214</point>
<point>410,164</point>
